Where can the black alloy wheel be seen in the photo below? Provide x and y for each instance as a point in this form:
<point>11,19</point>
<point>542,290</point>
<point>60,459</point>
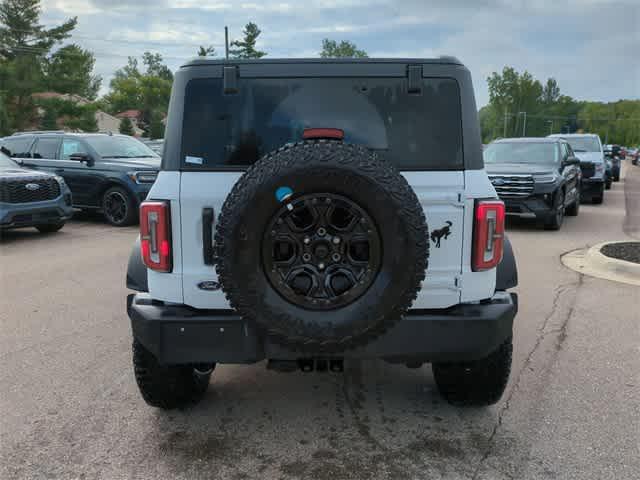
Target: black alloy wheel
<point>118,207</point>
<point>321,251</point>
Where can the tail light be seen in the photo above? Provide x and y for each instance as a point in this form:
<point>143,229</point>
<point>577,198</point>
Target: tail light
<point>488,234</point>
<point>155,235</point>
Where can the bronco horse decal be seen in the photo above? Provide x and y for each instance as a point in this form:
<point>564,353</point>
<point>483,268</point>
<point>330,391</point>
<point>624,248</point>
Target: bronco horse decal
<point>439,234</point>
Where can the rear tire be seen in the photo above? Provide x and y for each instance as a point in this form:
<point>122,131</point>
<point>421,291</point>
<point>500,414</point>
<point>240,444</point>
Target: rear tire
<point>478,383</point>
<point>49,227</point>
<point>118,207</point>
<point>168,386</point>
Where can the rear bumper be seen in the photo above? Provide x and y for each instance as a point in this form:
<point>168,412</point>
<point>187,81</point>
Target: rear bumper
<point>178,334</point>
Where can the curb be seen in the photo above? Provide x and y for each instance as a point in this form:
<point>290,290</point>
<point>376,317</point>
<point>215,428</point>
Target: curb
<point>593,263</point>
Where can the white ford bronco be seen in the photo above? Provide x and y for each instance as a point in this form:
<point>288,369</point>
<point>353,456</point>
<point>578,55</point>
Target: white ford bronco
<point>312,212</point>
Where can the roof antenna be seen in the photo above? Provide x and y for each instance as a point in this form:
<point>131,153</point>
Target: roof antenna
<point>226,42</point>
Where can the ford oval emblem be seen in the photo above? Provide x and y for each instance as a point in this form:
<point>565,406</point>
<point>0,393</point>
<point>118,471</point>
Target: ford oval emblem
<point>32,186</point>
<point>498,181</point>
<point>209,285</point>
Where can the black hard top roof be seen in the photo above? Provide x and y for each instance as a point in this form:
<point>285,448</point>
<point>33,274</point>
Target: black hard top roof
<point>447,60</point>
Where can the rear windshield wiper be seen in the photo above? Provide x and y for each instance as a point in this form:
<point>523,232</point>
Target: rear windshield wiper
<point>578,150</point>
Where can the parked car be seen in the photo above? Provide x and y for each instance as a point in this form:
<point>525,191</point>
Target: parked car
<point>105,172</point>
<point>155,145</point>
<point>536,178</point>
<point>32,199</point>
<point>615,154</point>
<point>320,244</point>
<point>633,154</point>
<point>588,148</point>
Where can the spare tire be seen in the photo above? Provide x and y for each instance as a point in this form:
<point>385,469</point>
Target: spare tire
<point>322,245</point>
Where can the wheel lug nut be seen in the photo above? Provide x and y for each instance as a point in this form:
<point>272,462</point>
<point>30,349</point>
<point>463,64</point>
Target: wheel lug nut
<point>306,257</point>
<point>336,240</point>
<point>321,266</point>
<point>335,257</point>
<point>307,240</point>
<point>322,232</point>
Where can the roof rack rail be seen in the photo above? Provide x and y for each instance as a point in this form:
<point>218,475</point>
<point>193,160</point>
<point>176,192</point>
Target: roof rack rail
<point>37,132</point>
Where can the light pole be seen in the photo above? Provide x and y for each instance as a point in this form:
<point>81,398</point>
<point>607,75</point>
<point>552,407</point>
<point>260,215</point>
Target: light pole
<point>550,122</point>
<point>524,123</point>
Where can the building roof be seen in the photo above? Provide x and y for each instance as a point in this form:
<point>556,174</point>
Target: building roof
<point>129,114</point>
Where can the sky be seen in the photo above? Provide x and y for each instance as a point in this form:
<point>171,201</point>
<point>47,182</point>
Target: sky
<point>591,47</point>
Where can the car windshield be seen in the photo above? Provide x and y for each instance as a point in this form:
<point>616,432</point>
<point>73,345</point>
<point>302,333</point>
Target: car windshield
<point>6,162</point>
<point>119,147</point>
<point>584,144</point>
<point>517,152</point>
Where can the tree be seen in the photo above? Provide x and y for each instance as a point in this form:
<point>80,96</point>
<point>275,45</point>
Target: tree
<point>209,51</point>
<point>146,91</point>
<point>126,127</point>
<point>344,49</point>
<point>21,32</point>
<point>69,70</point>
<point>155,67</point>
<point>246,48</point>
<point>49,120</point>
<point>24,43</point>
<point>156,128</point>
<point>550,92</point>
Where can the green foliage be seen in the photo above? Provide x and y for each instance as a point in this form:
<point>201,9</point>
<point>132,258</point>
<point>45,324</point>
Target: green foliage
<point>246,48</point>
<point>146,91</point>
<point>126,127</point>
<point>344,49</point>
<point>156,128</point>
<point>69,70</point>
<point>21,32</point>
<point>66,114</point>
<point>209,51</point>
<point>49,120</point>
<point>26,67</point>
<point>511,94</point>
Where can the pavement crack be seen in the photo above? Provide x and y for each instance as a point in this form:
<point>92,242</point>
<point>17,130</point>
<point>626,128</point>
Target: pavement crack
<point>542,334</point>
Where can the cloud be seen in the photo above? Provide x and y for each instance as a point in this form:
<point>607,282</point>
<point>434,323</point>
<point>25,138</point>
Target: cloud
<point>571,40</point>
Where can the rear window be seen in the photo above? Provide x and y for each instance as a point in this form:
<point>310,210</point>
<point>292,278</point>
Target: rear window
<point>584,144</point>
<point>233,131</point>
<point>46,148</point>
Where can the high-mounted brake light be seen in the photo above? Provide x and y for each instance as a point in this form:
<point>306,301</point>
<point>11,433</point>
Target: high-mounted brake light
<point>155,235</point>
<point>310,133</point>
<point>488,234</point>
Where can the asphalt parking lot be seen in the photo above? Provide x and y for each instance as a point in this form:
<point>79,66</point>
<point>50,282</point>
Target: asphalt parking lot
<point>70,407</point>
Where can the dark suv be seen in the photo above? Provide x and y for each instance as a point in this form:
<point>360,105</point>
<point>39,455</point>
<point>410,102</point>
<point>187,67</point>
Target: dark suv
<point>536,178</point>
<point>32,199</point>
<point>105,172</point>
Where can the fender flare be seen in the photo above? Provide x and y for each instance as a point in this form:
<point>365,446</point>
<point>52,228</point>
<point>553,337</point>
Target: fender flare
<point>137,270</point>
<point>507,271</point>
